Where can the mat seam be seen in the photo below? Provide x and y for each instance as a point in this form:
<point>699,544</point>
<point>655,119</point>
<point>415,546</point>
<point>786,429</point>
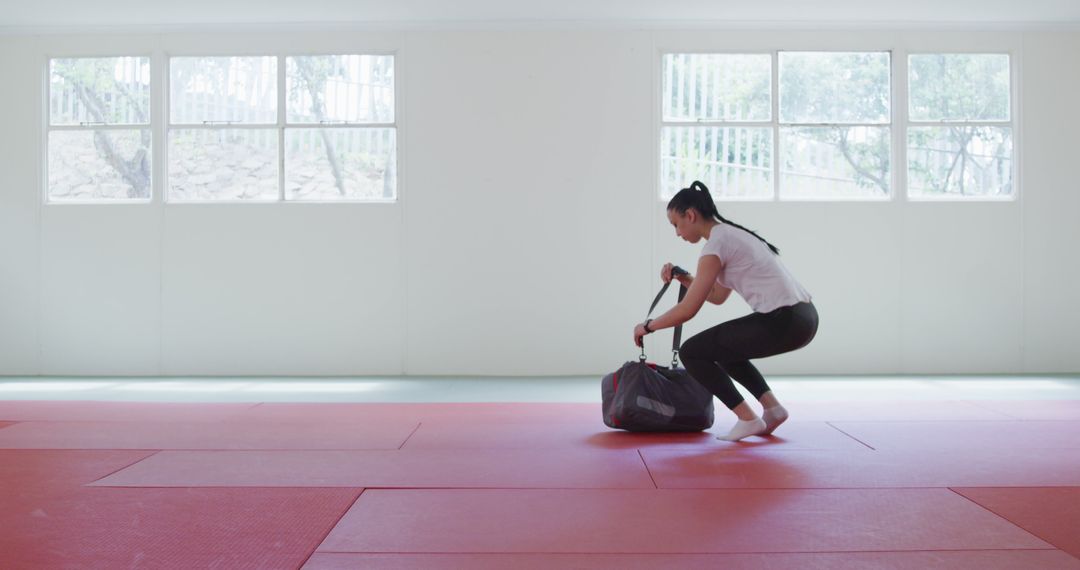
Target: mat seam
<point>830,424</point>
<point>333,526</point>
<point>1001,516</point>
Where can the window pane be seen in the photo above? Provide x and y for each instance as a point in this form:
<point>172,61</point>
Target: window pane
<point>959,87</point>
<point>821,87</point>
<point>959,161</point>
<point>340,88</point>
<point>336,164</point>
<point>731,161</point>
<point>110,90</point>
<point>223,164</point>
<point>236,89</point>
<point>717,87</point>
<point>99,164</point>
<point>834,162</point>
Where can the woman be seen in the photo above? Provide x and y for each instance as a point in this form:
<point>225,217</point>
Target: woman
<point>784,319</point>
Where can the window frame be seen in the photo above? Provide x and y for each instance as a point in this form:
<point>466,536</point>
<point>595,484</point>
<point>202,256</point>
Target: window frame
<point>159,110</point>
<point>285,125</point>
<point>890,124</point>
<point>1012,124</point>
<point>899,122</point>
<point>281,124</point>
<point>48,128</point>
<point>771,123</point>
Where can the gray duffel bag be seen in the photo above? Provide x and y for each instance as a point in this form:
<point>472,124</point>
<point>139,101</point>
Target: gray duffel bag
<point>642,396</point>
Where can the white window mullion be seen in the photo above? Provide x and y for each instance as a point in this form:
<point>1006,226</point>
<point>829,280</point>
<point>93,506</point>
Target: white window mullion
<point>775,96</point>
<point>159,105</point>
<point>46,89</point>
<point>166,113</point>
<point>901,124</point>
<point>1015,84</point>
<point>281,126</point>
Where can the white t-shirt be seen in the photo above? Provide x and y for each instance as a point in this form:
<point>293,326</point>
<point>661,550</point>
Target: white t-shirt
<point>752,270</point>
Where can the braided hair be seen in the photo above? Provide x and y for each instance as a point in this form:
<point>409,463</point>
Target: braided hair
<point>697,197</point>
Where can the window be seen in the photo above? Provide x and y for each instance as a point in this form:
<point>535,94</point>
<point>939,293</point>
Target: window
<point>828,123</point>
<point>265,128</point>
<point>834,125</point>
<point>717,124</point>
<point>98,130</point>
<point>343,144</point>
<point>223,141</point>
<point>959,134</point>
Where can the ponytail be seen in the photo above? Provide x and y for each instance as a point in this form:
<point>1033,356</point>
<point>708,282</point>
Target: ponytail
<point>697,196</point>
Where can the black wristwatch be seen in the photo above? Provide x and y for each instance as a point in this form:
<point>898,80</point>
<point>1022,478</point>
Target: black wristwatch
<point>646,325</point>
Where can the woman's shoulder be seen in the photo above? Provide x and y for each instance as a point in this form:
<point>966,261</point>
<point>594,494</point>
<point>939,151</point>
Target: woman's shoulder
<point>715,240</point>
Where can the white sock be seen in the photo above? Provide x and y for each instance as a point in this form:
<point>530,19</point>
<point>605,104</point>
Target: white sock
<point>744,428</point>
<point>773,417</point>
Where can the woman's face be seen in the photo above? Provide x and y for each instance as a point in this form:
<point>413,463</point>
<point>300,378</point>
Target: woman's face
<point>685,226</point>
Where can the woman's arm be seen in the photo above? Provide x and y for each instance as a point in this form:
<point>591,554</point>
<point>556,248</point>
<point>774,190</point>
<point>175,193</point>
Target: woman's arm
<point>700,291</point>
<point>719,294</point>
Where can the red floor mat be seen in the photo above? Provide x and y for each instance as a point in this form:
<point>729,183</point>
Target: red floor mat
<point>171,528</point>
<point>1033,409</point>
<point>26,473</point>
<point>447,434</point>
<point>83,411</point>
<point>900,410</point>
<point>964,560</point>
<point>457,468</point>
<point>824,469</point>
<point>458,412</point>
<point>670,521</point>
<point>1002,435</point>
<point>1051,514</point>
<point>219,435</point>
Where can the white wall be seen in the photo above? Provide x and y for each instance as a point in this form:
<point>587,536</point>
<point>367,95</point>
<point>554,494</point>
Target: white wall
<point>528,235</point>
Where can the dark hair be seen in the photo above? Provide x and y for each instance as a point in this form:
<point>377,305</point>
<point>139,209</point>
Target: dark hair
<point>697,197</point>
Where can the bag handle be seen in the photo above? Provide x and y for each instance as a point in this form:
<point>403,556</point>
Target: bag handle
<point>675,341</point>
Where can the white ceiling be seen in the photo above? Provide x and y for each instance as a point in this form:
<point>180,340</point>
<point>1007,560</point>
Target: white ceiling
<point>18,15</point>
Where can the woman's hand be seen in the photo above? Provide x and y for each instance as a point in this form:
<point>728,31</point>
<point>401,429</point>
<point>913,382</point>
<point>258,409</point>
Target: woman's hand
<point>666,275</point>
<point>639,332</point>
<point>665,272</point>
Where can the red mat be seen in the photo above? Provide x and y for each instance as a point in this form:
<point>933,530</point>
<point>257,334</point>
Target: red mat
<point>964,560</point>
<point>601,514</point>
<point>36,472</point>
<point>81,411</point>
<point>1034,409</point>
<point>457,412</point>
<point>670,521</point>
<point>172,528</point>
<point>899,410</point>
<point>499,468</point>
<point>764,469</point>
<point>144,435</point>
<point>456,435</point>
<point>1003,435</point>
<point>1050,514</point>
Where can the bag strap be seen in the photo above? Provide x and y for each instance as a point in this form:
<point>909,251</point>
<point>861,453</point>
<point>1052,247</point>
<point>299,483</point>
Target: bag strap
<point>676,340</point>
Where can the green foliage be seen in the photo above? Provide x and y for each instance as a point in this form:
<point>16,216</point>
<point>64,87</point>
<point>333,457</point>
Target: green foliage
<point>834,87</point>
<point>959,87</point>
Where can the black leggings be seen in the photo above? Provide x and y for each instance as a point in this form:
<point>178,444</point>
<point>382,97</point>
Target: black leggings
<point>714,356</point>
